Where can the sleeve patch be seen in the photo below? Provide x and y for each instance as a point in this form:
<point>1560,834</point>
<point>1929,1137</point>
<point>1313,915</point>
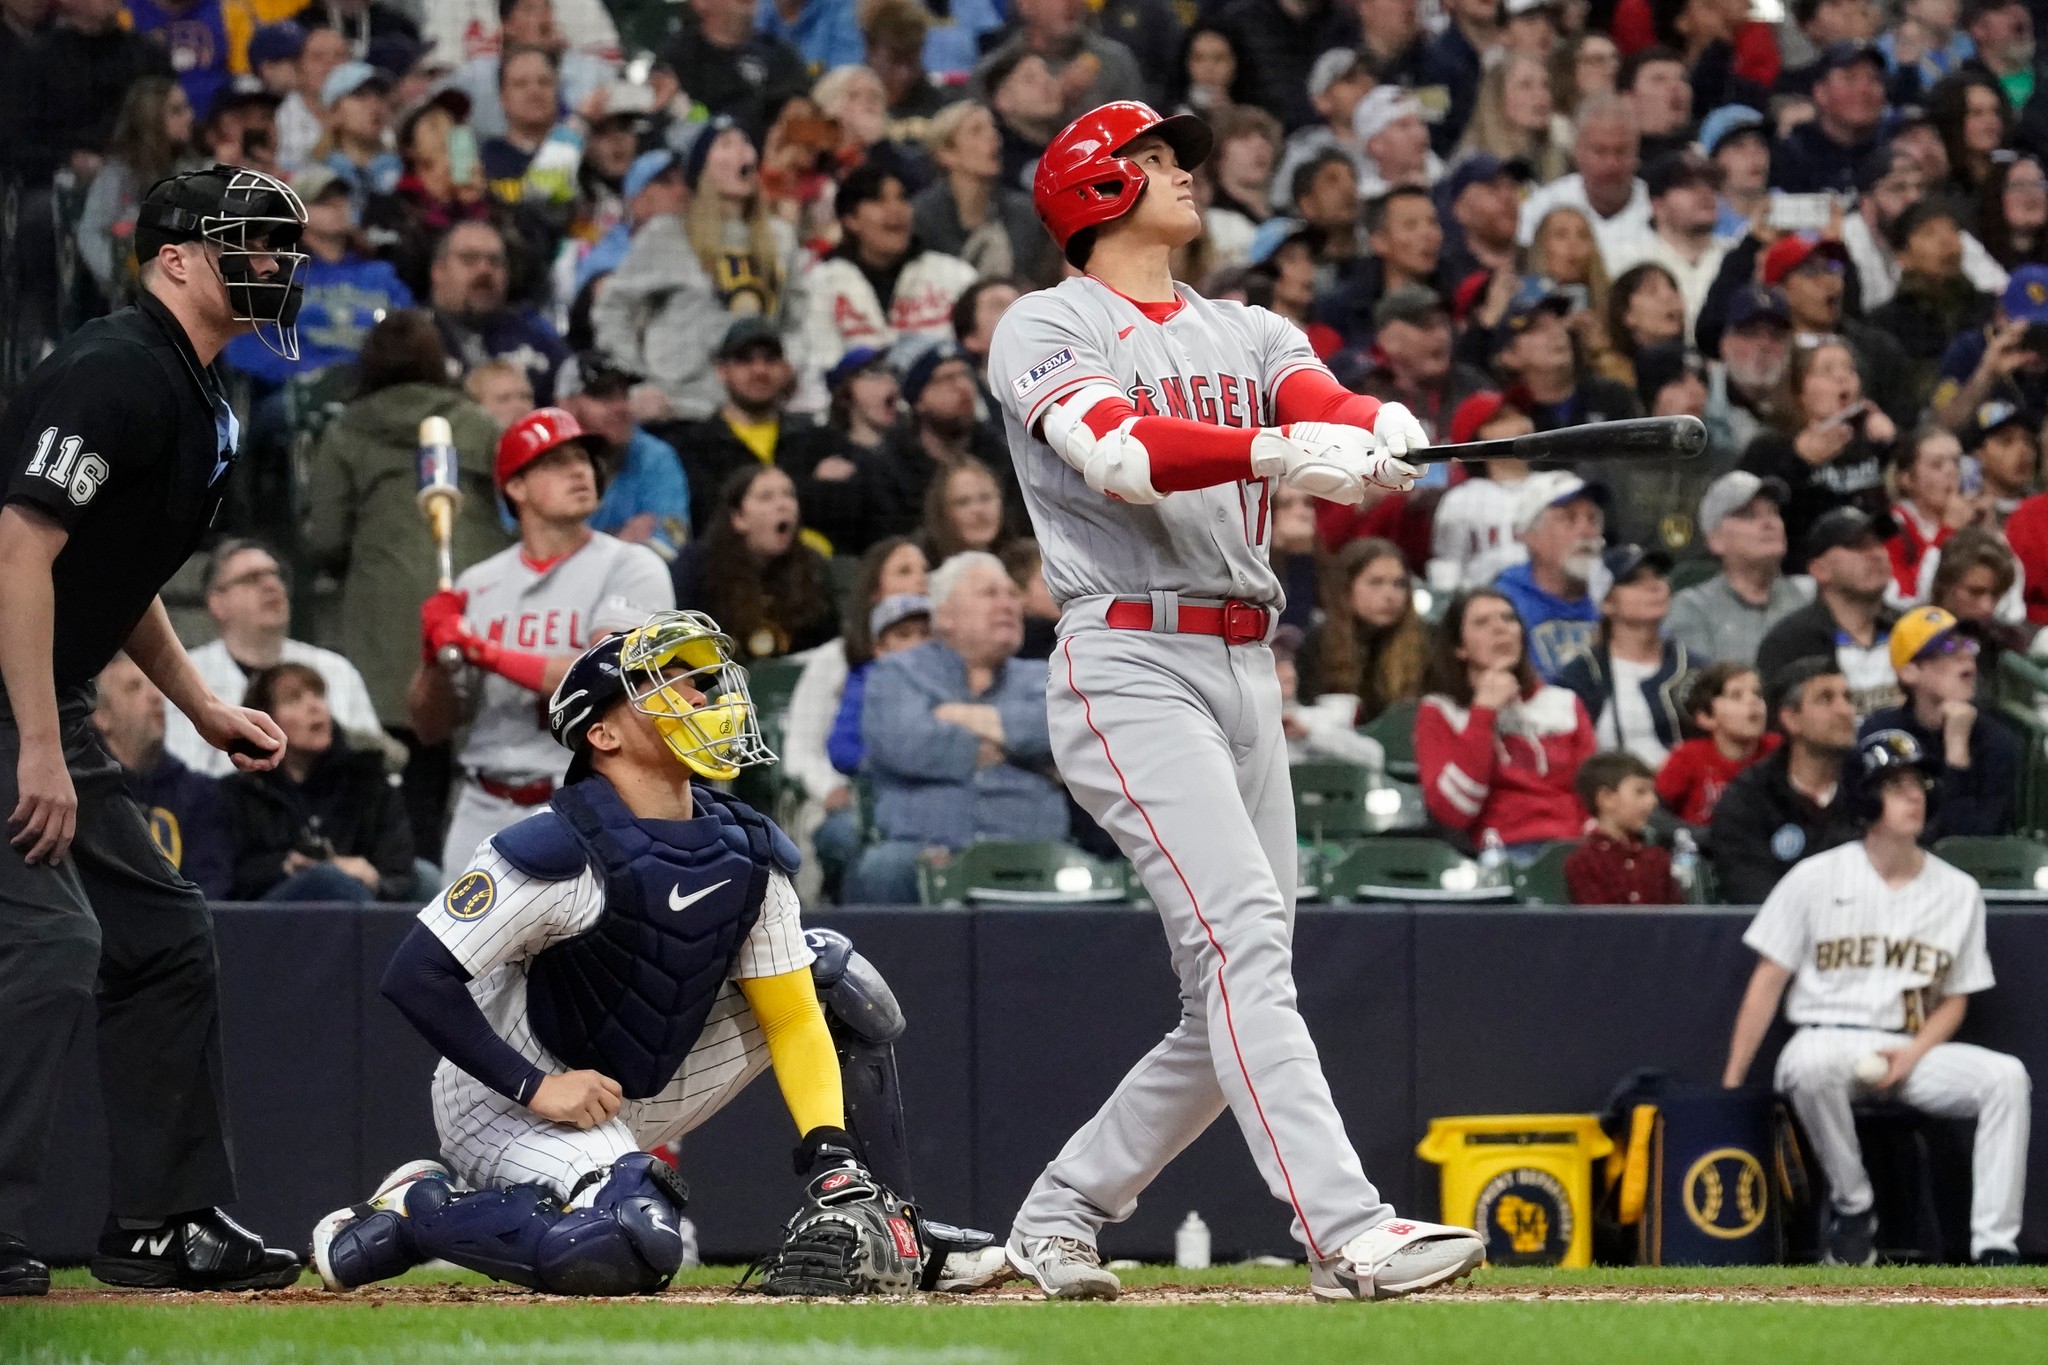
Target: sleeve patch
<point>471,897</point>
<point>1045,369</point>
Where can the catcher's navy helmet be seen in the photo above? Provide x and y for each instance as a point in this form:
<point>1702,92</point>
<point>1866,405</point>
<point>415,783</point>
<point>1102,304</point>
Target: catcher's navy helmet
<point>592,686</point>
<point>1879,755</point>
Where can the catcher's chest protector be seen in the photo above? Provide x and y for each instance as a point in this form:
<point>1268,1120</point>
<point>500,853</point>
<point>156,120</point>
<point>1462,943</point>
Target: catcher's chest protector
<point>629,996</point>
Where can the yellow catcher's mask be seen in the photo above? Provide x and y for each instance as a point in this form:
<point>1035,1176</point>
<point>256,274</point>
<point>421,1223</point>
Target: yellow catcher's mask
<point>679,652</point>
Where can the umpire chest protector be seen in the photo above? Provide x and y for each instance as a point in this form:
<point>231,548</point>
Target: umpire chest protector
<point>628,996</point>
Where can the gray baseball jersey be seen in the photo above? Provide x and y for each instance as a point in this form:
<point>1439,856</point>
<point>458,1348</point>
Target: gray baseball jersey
<point>1173,744</point>
<point>1215,362</point>
<point>546,610</point>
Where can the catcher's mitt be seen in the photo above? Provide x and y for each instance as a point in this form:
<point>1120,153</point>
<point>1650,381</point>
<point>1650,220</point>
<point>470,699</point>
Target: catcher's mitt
<point>852,1236</point>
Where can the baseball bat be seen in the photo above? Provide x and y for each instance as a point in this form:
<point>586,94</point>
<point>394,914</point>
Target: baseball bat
<point>1634,438</point>
<point>440,497</point>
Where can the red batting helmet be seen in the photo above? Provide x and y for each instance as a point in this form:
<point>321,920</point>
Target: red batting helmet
<point>537,433</point>
<point>1083,181</point>
<point>534,435</point>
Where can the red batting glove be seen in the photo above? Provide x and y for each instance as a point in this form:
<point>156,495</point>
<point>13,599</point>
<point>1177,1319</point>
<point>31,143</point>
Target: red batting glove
<point>441,622</point>
<point>480,650</point>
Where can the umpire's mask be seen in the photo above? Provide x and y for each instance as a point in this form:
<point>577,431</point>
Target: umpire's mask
<point>251,217</point>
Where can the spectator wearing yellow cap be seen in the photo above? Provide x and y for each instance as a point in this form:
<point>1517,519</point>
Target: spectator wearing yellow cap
<point>1976,761</point>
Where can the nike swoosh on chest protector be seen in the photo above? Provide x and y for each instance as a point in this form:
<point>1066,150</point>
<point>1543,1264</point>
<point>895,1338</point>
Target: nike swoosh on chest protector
<point>678,901</point>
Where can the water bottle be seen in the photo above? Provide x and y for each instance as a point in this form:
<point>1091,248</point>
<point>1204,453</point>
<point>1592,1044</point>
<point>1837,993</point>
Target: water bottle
<point>1493,857</point>
<point>1191,1243</point>
<point>1685,862</point>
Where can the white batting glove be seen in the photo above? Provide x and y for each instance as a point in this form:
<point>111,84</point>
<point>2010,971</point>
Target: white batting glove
<point>1398,431</point>
<point>1329,460</point>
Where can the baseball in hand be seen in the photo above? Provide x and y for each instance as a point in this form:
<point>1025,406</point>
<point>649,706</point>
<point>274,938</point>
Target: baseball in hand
<point>1872,1067</point>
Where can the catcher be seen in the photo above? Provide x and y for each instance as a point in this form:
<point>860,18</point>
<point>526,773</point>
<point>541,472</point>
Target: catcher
<point>609,973</point>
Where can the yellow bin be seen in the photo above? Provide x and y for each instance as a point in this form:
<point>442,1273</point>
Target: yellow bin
<point>1524,1181</point>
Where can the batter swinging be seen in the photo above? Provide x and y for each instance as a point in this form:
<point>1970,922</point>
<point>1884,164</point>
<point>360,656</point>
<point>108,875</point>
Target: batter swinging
<point>1148,425</point>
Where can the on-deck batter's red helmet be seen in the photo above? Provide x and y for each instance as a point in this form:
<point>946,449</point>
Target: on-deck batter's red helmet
<point>1082,180</point>
<point>535,434</point>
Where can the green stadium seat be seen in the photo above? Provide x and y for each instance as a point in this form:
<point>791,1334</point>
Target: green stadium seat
<point>1405,869</point>
<point>1542,881</point>
<point>1330,801</point>
<point>772,681</point>
<point>1394,728</point>
<point>2009,869</point>
<point>2021,687</point>
<point>1017,872</point>
<point>1688,573</point>
<point>841,574</point>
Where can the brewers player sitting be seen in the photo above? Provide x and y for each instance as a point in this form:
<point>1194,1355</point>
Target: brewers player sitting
<point>608,974</point>
<point>520,617</point>
<point>1883,945</point>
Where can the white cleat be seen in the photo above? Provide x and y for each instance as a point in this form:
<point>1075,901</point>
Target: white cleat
<point>1063,1267</point>
<point>389,1198</point>
<point>1400,1256</point>
<point>966,1271</point>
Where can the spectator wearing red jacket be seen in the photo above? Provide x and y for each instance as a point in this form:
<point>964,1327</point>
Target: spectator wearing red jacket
<point>1613,866</point>
<point>1725,703</point>
<point>1931,506</point>
<point>1498,748</point>
<point>2026,530</point>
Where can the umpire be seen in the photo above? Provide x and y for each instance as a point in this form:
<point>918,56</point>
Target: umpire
<point>115,453</point>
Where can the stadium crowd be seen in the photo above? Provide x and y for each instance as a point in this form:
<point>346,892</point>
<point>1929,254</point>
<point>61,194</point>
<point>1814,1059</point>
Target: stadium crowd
<point>756,253</point>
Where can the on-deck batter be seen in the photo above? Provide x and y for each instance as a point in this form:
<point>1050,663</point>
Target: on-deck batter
<point>520,618</point>
<point>1148,425</point>
<point>1883,945</point>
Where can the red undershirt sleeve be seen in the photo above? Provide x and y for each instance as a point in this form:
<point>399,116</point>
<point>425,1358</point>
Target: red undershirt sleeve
<point>1316,396</point>
<point>1185,454</point>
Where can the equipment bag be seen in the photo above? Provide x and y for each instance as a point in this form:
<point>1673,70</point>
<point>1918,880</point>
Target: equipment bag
<point>1699,1175</point>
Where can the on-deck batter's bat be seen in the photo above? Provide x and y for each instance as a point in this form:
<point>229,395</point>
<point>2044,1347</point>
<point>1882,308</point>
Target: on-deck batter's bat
<point>1634,438</point>
<point>440,497</point>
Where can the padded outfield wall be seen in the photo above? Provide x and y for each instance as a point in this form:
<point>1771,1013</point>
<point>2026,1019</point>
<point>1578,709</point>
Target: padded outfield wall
<point>1021,1021</point>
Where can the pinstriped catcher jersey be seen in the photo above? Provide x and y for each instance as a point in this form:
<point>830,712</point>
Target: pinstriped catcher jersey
<point>1864,955</point>
<point>1212,361</point>
<point>494,919</point>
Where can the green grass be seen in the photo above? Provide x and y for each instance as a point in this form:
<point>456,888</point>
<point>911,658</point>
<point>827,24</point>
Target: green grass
<point>148,1331</point>
<point>1535,1277</point>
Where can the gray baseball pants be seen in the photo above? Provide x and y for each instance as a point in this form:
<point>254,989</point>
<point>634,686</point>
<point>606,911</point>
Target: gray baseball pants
<point>1173,744</point>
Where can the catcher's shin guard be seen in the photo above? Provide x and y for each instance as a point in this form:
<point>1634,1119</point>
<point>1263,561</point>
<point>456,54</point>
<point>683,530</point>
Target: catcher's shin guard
<point>620,1239</point>
<point>371,1247</point>
<point>865,1021</point>
<point>874,1112</point>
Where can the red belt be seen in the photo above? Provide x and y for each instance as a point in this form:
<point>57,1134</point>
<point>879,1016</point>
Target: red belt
<point>1238,623</point>
<point>532,794</point>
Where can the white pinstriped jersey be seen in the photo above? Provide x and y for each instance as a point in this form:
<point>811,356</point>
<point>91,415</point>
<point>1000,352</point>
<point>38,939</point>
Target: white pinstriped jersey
<point>1213,361</point>
<point>547,611</point>
<point>1865,956</point>
<point>522,915</point>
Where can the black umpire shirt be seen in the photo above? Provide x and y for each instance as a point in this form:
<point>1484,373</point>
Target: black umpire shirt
<point>124,438</point>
